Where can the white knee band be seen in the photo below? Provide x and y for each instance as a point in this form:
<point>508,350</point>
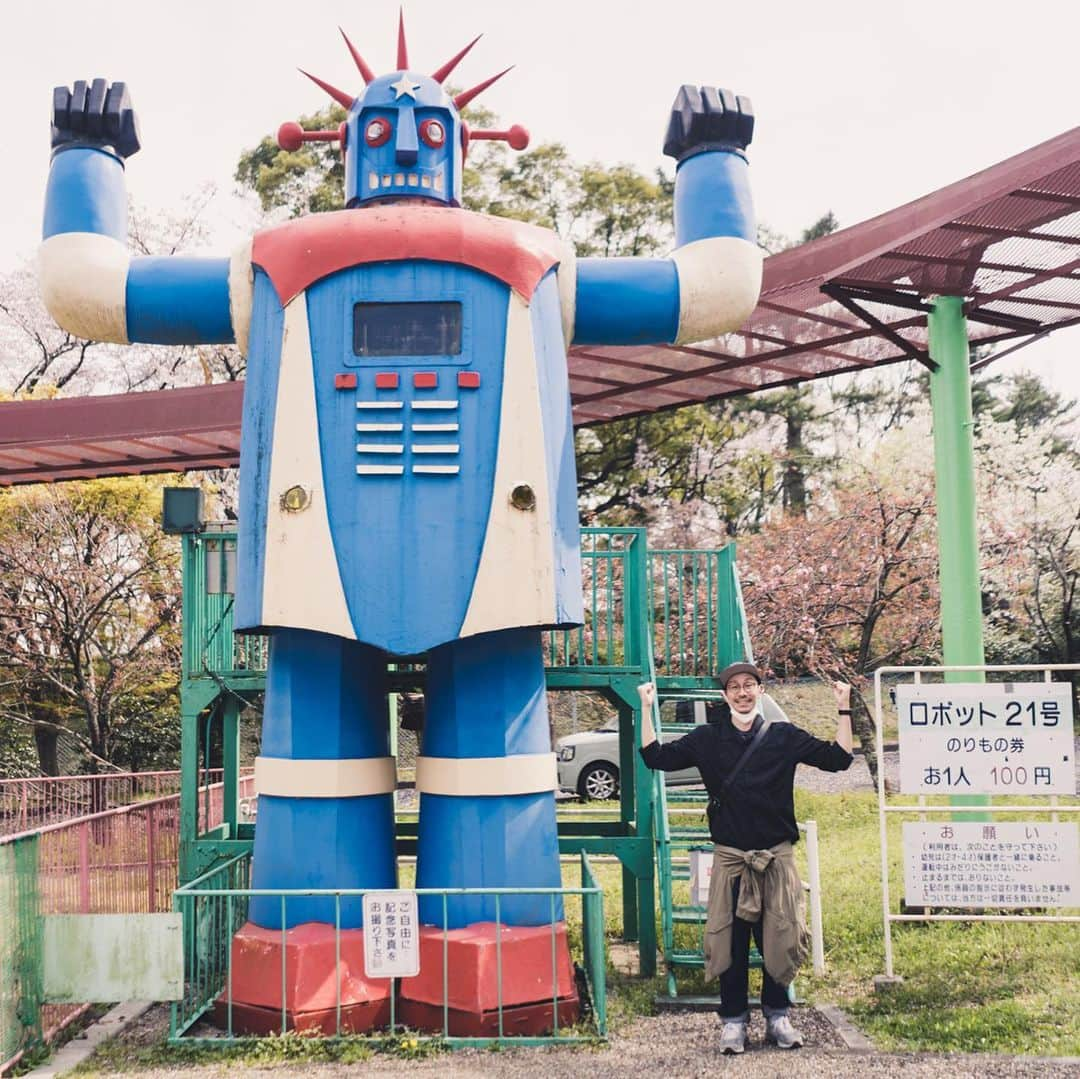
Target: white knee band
<point>286,778</point>
<point>523,773</point>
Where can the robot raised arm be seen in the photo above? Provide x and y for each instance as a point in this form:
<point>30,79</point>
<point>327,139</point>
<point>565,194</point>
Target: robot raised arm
<point>90,283</point>
<point>710,283</point>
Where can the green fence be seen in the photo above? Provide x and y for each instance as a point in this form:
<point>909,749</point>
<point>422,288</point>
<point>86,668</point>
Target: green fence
<point>215,906</point>
<point>20,950</point>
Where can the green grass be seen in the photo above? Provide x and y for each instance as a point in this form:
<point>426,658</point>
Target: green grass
<point>974,987</point>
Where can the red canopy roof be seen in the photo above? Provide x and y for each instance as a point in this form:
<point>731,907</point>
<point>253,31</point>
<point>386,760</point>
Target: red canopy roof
<point>1007,239</point>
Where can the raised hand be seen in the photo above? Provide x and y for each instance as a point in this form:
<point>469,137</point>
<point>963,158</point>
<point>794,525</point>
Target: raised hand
<point>95,114</point>
<point>708,118</point>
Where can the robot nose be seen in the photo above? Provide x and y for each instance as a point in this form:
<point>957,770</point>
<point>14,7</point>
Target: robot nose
<point>406,147</point>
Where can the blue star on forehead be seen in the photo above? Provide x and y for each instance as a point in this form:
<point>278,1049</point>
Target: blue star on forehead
<point>404,86</point>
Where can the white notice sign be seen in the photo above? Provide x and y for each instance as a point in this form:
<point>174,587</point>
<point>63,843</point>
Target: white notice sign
<point>998,738</point>
<point>972,864</point>
<point>701,861</point>
<point>391,935</point>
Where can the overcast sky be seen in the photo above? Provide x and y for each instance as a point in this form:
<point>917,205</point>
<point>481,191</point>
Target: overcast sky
<point>860,106</point>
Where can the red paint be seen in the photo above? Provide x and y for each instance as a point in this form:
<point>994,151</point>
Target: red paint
<point>402,48</point>
<point>361,65</point>
<point>468,380</point>
<point>386,380</point>
<point>425,380</point>
<point>345,382</point>
<point>538,1018</point>
<point>472,966</point>
<point>433,133</point>
<point>291,136</point>
<point>378,132</point>
<point>298,253</point>
<point>453,62</point>
<point>516,136</point>
<point>340,96</point>
<point>464,98</point>
<point>309,960</point>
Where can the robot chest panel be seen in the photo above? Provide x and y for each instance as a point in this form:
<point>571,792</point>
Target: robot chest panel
<point>408,361</point>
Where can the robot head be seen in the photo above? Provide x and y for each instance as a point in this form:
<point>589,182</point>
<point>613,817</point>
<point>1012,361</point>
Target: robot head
<point>403,137</point>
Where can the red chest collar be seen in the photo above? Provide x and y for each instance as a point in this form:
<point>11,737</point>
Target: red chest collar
<point>298,253</point>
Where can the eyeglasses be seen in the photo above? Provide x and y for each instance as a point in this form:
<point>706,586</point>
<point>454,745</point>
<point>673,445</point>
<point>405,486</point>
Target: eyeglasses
<point>738,687</point>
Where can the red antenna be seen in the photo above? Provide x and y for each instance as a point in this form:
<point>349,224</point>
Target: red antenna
<point>453,62</point>
<point>516,136</point>
<point>343,99</point>
<point>291,136</point>
<point>365,72</point>
<point>464,98</point>
<point>402,48</point>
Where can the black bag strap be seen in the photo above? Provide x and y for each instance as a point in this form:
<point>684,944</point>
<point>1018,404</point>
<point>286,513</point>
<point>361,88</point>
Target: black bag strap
<point>759,734</point>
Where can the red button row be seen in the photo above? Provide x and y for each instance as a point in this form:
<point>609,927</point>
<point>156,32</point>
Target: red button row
<point>422,380</point>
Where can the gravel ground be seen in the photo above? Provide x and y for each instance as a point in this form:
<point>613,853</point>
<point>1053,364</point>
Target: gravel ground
<point>680,1044</point>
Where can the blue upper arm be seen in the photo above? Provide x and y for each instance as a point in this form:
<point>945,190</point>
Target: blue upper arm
<point>177,300</point>
<point>635,301</point>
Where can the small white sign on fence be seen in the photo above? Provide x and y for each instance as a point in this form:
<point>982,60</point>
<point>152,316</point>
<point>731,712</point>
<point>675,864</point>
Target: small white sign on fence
<point>701,860</point>
<point>391,935</point>
<point>976,864</point>
<point>995,738</point>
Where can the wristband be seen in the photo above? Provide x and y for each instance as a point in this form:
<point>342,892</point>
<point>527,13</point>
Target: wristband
<point>844,712</point>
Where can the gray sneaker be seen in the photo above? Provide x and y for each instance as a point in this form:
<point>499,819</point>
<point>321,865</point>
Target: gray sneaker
<point>780,1032</point>
<point>733,1036</point>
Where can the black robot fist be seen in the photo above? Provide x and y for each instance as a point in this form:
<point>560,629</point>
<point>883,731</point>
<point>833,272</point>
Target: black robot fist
<point>95,114</point>
<point>708,119</point>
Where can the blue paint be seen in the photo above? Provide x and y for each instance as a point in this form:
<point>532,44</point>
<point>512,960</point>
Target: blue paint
<point>626,301</point>
<point>403,153</point>
<point>545,313</point>
<point>486,697</point>
<point>508,842</point>
<point>179,300</point>
<point>408,546</point>
<point>85,193</point>
<point>325,699</point>
<point>712,198</point>
<point>256,439</point>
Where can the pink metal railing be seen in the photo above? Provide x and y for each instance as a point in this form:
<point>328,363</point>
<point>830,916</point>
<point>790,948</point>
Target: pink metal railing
<point>28,804</point>
<point>120,861</point>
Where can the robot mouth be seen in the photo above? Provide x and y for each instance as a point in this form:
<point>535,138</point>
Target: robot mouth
<point>416,180</point>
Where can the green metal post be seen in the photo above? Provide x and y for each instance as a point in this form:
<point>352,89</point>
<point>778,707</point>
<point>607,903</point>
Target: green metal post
<point>231,762</point>
<point>954,472</point>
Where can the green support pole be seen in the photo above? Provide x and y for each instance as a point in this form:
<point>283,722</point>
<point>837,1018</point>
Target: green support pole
<point>189,792</point>
<point>230,763</point>
<point>627,771</point>
<point>954,472</point>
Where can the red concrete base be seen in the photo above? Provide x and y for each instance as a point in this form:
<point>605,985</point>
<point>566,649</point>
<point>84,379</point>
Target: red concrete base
<point>250,1019</point>
<point>312,973</point>
<point>531,974</point>
<point>521,1019</point>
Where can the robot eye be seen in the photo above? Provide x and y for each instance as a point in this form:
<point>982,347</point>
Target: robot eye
<point>377,133</point>
<point>433,133</point>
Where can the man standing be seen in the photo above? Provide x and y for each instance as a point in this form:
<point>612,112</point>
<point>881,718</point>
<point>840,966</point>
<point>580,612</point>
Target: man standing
<point>748,767</point>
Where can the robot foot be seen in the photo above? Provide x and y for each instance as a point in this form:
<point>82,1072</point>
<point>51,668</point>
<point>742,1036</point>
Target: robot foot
<point>304,988</point>
<point>537,992</point>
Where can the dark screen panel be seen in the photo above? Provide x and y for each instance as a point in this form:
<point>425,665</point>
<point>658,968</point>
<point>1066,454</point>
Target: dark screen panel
<point>407,329</point>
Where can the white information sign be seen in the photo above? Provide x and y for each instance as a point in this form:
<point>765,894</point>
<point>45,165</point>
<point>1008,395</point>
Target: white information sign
<point>391,935</point>
<point>701,862</point>
<point>998,738</point>
<point>973,864</point>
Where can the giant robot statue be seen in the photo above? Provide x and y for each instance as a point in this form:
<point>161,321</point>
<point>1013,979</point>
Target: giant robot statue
<point>407,479</point>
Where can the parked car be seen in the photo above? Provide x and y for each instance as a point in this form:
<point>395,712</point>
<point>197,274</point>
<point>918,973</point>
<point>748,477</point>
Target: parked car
<point>588,762</point>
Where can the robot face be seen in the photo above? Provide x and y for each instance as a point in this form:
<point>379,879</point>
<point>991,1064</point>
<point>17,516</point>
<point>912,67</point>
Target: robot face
<point>403,139</point>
